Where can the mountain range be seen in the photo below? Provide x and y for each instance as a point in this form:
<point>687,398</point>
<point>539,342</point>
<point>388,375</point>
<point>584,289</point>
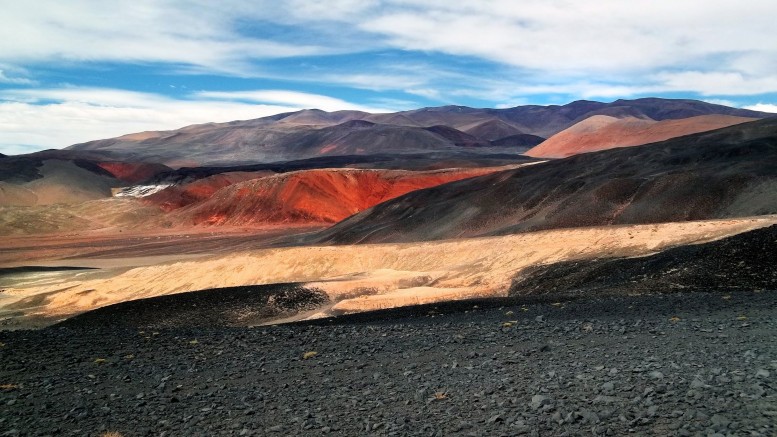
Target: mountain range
<point>448,130</point>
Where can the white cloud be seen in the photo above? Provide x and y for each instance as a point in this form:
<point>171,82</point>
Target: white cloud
<point>603,36</point>
<point>763,107</point>
<point>290,98</point>
<point>429,93</point>
<point>54,118</point>
<point>716,82</point>
<point>723,102</point>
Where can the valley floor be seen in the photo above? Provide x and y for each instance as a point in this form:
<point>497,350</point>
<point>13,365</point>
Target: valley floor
<point>677,364</point>
<point>355,278</point>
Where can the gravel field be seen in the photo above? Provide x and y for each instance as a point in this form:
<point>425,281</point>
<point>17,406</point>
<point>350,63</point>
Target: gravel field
<point>671,364</point>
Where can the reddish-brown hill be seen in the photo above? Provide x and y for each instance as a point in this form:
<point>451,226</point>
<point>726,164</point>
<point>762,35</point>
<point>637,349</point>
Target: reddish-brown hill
<point>602,132</point>
<point>202,189</point>
<point>311,196</point>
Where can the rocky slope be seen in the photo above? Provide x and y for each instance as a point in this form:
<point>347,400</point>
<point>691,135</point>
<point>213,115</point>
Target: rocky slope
<point>722,173</point>
<point>660,365</point>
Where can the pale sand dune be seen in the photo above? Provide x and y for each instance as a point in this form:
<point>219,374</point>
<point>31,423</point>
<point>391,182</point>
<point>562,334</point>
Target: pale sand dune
<point>366,277</point>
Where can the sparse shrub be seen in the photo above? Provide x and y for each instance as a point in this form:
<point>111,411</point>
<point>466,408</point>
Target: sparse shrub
<point>440,396</point>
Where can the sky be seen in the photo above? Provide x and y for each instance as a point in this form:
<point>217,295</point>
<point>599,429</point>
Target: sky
<point>78,70</point>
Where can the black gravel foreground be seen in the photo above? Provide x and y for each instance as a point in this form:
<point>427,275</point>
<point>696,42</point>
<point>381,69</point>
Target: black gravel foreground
<point>676,364</point>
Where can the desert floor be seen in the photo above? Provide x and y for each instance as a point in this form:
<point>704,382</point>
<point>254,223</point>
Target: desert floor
<point>355,278</point>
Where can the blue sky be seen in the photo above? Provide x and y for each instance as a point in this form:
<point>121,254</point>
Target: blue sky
<point>77,70</point>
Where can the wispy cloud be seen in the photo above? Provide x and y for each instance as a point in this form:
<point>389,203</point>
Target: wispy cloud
<point>283,97</point>
<point>201,34</point>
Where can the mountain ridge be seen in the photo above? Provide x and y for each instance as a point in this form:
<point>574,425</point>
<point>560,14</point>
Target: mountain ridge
<point>287,137</point>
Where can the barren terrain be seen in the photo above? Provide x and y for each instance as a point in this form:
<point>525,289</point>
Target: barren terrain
<point>364,277</point>
<point>602,132</point>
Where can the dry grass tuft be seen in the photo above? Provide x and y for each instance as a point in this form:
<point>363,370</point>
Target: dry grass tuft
<point>309,355</point>
<point>440,396</point>
<point>8,387</point>
<point>111,434</point>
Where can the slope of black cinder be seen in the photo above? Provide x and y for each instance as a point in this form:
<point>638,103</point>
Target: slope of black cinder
<point>729,172</point>
<point>741,262</point>
<point>674,364</point>
<point>20,169</point>
<point>233,306</point>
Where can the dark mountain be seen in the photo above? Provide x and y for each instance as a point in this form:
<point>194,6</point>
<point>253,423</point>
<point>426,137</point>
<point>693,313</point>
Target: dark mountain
<point>314,133</point>
<point>257,141</point>
<point>522,142</point>
<point>457,137</point>
<point>728,172</point>
<point>428,161</point>
<point>493,130</point>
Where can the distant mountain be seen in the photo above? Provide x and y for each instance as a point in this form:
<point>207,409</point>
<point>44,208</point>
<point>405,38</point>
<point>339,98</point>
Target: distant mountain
<point>448,130</point>
<point>492,130</point>
<point>601,132</point>
<point>548,120</point>
<point>520,142</point>
<point>257,141</point>
<point>728,172</point>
